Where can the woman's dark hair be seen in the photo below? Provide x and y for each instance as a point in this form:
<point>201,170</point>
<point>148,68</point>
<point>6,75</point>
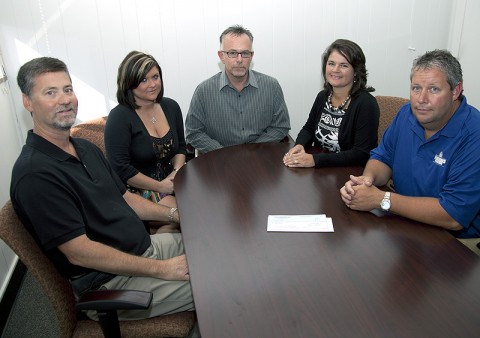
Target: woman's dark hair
<point>131,72</point>
<point>354,55</point>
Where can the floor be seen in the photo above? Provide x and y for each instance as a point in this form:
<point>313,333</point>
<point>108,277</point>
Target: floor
<point>31,314</point>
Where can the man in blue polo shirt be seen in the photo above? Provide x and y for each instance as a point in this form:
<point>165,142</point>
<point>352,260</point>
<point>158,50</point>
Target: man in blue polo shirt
<point>431,152</point>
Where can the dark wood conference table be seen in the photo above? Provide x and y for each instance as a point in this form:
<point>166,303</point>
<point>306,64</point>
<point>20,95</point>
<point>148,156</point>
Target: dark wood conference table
<point>372,277</point>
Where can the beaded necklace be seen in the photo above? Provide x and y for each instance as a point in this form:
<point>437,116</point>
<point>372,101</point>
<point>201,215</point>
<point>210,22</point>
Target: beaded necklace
<point>340,107</point>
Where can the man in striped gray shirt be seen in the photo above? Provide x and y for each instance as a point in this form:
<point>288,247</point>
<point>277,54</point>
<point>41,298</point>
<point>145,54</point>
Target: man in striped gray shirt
<point>237,105</point>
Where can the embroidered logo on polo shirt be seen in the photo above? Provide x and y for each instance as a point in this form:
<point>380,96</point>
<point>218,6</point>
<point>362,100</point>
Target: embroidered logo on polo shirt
<point>439,160</point>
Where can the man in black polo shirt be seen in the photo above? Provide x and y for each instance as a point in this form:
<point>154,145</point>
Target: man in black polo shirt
<point>79,211</point>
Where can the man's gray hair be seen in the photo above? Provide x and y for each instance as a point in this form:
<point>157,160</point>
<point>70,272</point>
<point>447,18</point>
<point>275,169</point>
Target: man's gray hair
<point>236,30</point>
<point>444,61</point>
<point>33,68</point>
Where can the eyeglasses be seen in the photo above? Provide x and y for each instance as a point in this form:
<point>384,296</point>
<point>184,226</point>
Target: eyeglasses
<point>233,55</point>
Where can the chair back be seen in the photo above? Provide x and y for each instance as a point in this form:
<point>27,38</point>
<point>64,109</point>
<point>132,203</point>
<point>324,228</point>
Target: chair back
<point>92,130</point>
<point>56,287</point>
<point>389,107</point>
<point>59,292</point>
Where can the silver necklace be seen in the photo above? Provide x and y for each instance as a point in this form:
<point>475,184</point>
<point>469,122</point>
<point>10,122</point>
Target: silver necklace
<point>340,107</point>
<point>153,119</point>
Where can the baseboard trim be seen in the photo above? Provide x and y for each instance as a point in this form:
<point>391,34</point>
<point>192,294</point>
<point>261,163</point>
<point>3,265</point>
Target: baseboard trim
<point>10,294</point>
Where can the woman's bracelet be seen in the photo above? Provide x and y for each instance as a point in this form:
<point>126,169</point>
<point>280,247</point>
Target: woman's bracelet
<point>170,215</point>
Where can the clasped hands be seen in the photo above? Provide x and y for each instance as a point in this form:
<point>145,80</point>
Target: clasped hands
<point>297,157</point>
<point>359,193</point>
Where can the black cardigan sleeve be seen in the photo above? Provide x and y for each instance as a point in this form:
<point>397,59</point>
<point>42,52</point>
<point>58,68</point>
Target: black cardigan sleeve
<point>128,143</point>
<point>357,134</point>
<point>118,141</point>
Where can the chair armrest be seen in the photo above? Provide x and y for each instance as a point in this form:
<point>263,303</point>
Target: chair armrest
<point>107,300</point>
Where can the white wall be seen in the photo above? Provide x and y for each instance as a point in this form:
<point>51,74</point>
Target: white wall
<point>93,36</point>
<point>9,151</point>
<point>464,44</point>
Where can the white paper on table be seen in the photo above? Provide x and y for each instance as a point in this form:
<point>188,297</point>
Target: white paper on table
<point>299,223</point>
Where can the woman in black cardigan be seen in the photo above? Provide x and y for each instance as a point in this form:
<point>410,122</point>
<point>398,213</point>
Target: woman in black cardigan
<point>343,122</point>
<point>144,134</point>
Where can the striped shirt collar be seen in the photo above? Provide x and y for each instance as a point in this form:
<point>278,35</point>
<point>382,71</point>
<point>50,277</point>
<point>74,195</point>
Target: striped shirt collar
<point>252,80</point>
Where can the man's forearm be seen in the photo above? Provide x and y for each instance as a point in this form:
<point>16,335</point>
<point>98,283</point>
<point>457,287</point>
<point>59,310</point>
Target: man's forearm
<point>84,252</point>
<point>272,135</point>
<point>423,209</point>
<point>146,209</point>
<point>378,171</point>
<point>203,142</point>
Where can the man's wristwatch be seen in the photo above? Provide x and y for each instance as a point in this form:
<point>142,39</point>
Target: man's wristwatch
<point>385,204</point>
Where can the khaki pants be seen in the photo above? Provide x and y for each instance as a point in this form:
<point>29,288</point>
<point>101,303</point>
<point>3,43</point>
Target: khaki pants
<point>471,243</point>
<point>168,296</point>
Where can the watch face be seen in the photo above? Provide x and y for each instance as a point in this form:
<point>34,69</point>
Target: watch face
<point>385,205</point>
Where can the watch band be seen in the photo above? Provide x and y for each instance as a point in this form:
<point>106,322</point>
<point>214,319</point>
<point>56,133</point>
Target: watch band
<point>385,203</point>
